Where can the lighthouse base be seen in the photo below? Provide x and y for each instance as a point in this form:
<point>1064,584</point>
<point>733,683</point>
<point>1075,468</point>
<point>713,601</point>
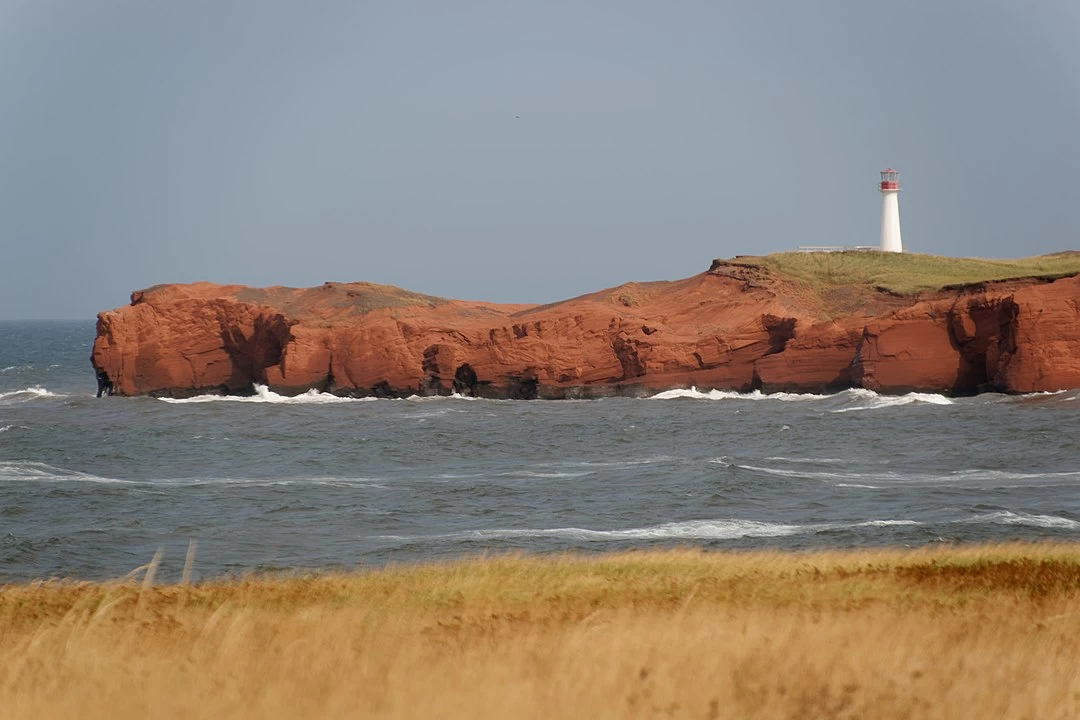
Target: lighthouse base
<point>890,222</point>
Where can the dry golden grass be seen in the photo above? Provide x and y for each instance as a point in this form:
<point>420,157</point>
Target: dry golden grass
<point>973,632</point>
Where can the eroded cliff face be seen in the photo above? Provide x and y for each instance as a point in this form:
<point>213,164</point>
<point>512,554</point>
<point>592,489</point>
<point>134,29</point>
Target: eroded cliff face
<point>733,327</point>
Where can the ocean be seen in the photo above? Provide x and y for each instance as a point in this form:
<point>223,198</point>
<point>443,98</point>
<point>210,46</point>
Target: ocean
<point>90,488</point>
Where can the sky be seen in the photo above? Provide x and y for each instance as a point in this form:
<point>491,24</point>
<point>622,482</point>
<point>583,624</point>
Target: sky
<point>516,151</point>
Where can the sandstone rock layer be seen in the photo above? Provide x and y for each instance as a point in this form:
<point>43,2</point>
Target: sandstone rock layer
<point>737,326</point>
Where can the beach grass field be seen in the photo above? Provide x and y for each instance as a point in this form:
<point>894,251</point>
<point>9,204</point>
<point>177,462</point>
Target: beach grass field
<point>943,632</point>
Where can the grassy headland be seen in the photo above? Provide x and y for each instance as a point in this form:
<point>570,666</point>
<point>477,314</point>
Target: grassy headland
<point>953,633</point>
<point>908,273</point>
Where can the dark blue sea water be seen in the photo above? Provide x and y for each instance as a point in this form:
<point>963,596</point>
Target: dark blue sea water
<point>90,488</point>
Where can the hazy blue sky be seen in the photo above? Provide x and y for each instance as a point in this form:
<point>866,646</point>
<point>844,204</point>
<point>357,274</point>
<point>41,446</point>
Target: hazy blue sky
<point>516,151</point>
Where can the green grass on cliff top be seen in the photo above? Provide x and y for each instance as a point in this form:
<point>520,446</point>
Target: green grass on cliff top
<point>909,273</point>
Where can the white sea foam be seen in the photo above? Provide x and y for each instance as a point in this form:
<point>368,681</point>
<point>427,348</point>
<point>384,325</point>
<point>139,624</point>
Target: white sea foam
<point>866,399</point>
<point>979,478</point>
<point>541,475</point>
<point>875,401</point>
<point>975,477</point>
<point>263,394</point>
<point>31,393</point>
<point>979,474</point>
<point>887,523</point>
<point>1006,517</point>
<point>695,394</point>
<point>326,481</point>
<point>689,530</point>
<point>5,428</point>
<point>1052,396</point>
<point>784,472</point>
<point>29,471</point>
<point>451,396</point>
<point>512,474</point>
<point>730,529</point>
<point>622,463</point>
<point>823,475</point>
<point>16,368</point>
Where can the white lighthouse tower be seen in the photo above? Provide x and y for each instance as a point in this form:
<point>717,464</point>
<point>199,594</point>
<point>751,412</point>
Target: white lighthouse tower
<point>890,211</point>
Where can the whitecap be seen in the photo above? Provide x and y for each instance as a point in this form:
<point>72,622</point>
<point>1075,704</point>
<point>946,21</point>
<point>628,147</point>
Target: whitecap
<point>457,396</point>
<point>1006,517</point>
<point>30,471</point>
<point>622,463</point>
<point>263,394</point>
<point>850,479</point>
<point>810,474</point>
<point>887,523</point>
<point>688,530</point>
<point>980,474</point>
<point>541,475</point>
<point>729,529</point>
<point>872,399</point>
<point>883,401</point>
<point>31,393</point>
<point>695,394</point>
<point>326,481</point>
<point>978,477</point>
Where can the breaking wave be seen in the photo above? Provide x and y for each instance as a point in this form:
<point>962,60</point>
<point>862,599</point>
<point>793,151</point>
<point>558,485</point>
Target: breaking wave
<point>31,471</point>
<point>540,475</point>
<point>811,460</point>
<point>27,394</point>
<point>689,530</point>
<point>855,399</point>
<point>695,394</point>
<point>263,394</point>
<point>730,529</point>
<point>875,480</point>
<point>870,400</point>
<point>26,470</point>
<point>451,396</point>
<point>1005,517</point>
<point>886,523</point>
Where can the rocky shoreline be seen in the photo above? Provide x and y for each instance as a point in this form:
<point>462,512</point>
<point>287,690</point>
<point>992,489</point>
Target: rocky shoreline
<point>738,326</point>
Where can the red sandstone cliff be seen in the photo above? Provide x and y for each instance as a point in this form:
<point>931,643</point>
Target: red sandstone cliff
<point>736,326</point>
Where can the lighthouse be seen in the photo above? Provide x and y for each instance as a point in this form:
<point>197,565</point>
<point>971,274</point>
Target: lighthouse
<point>890,211</point>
